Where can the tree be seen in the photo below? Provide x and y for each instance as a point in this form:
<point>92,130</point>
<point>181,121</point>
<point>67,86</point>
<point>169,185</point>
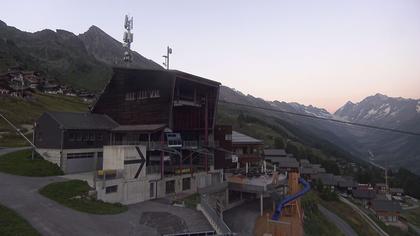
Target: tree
<point>279,143</point>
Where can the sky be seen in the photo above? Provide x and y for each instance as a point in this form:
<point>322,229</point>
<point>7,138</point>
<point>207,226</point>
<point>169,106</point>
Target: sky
<point>322,53</point>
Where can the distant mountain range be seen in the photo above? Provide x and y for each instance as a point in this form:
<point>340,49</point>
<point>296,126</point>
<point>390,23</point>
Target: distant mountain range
<point>388,149</point>
<point>85,61</point>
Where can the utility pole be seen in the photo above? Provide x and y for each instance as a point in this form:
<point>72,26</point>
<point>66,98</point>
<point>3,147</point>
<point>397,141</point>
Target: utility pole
<point>168,52</point>
<point>22,134</point>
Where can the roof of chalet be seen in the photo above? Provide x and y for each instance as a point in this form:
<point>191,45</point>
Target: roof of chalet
<point>239,138</point>
<point>308,171</point>
<point>286,162</point>
<point>87,121</point>
<point>386,205</point>
<point>327,179</point>
<point>275,152</point>
<point>396,190</point>
<point>141,128</point>
<point>364,193</point>
<point>346,181</point>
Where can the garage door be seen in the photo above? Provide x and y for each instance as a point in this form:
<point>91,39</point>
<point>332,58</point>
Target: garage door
<point>80,162</point>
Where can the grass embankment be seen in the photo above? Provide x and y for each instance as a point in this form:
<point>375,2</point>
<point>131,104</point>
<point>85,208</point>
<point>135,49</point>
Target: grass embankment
<point>26,111</point>
<point>412,216</point>
<point>353,218</point>
<point>75,194</point>
<point>21,163</point>
<point>315,223</point>
<point>11,224</point>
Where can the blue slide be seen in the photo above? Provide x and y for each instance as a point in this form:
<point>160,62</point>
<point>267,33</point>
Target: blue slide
<point>289,198</point>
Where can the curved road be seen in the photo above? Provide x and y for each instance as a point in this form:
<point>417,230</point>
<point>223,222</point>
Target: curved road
<point>341,224</point>
<point>50,218</point>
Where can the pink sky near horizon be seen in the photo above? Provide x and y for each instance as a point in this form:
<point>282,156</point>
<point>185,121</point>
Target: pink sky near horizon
<point>322,53</point>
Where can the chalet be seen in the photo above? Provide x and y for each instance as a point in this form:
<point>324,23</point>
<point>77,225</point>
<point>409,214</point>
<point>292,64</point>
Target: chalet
<point>381,187</point>
<point>396,192</point>
<point>386,210</point>
<point>248,149</point>
<point>327,180</point>
<point>365,195</point>
<point>287,164</point>
<point>273,154</point>
<point>73,140</point>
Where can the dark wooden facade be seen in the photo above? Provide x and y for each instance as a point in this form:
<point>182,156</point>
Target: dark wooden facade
<point>223,152</point>
<point>182,101</point>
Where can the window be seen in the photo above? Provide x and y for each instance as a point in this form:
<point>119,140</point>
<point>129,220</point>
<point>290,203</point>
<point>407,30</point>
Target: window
<point>99,137</point>
<point>228,137</point>
<point>130,96</point>
<point>100,154</point>
<point>80,155</point>
<point>186,184</point>
<point>170,186</point>
<point>111,189</point>
<point>72,136</point>
<point>91,137</point>
<point>79,137</point>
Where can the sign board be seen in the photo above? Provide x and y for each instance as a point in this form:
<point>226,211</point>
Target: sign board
<point>130,158</point>
<point>235,158</point>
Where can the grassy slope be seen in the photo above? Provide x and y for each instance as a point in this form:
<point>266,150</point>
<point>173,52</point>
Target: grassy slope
<point>22,111</point>
<point>412,216</point>
<point>351,217</point>
<point>315,222</point>
<point>20,163</point>
<point>11,224</point>
<point>74,194</point>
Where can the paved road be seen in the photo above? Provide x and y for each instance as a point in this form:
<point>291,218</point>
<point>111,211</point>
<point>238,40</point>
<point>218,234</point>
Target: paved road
<point>341,224</point>
<point>50,218</point>
<point>5,150</point>
<point>372,223</point>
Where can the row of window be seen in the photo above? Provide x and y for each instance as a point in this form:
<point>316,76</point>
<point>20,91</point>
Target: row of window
<point>79,137</point>
<point>80,155</point>
<point>141,95</point>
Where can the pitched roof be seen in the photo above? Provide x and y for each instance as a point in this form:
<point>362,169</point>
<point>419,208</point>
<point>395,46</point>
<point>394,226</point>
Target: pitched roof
<point>396,190</point>
<point>239,138</point>
<point>386,205</point>
<point>286,162</point>
<point>364,193</point>
<point>327,179</point>
<point>274,152</point>
<point>195,78</point>
<point>78,120</point>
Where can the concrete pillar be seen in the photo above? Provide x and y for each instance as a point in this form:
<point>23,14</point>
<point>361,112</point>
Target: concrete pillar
<point>227,197</point>
<point>261,204</point>
<point>246,168</point>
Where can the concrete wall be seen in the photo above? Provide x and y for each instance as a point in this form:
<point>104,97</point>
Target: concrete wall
<point>138,190</point>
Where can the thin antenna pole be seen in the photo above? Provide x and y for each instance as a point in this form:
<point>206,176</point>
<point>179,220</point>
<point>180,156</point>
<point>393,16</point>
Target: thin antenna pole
<point>17,130</point>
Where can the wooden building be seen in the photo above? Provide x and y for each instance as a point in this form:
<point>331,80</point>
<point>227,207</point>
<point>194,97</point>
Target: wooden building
<point>248,149</point>
<point>181,107</point>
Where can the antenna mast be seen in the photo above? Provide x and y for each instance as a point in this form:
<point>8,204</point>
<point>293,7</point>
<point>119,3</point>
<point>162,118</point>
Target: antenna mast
<point>128,39</point>
<point>168,52</point>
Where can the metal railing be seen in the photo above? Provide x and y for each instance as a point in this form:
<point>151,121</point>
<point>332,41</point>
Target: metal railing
<point>214,217</point>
